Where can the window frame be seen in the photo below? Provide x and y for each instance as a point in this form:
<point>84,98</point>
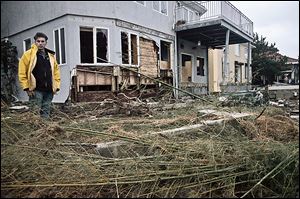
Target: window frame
<point>60,47</point>
<point>129,33</point>
<point>204,72</point>
<point>159,7</point>
<point>95,47</point>
<point>24,44</point>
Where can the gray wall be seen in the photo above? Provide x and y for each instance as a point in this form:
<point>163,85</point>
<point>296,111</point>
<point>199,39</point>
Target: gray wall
<point>17,16</point>
<point>198,52</point>
<point>72,31</point>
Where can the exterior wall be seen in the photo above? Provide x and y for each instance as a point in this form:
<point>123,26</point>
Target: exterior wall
<point>199,82</point>
<point>45,16</point>
<point>37,12</point>
<point>216,58</point>
<point>72,26</point>
<point>241,58</point>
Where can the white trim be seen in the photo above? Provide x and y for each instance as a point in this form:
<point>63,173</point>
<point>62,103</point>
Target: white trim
<point>108,45</point>
<point>159,7</point>
<point>167,41</point>
<point>166,8</point>
<point>94,29</point>
<point>60,46</point>
<point>129,33</point>
<point>24,44</point>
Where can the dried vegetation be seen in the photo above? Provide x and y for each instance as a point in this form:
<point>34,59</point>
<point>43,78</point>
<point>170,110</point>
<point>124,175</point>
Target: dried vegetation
<point>105,149</point>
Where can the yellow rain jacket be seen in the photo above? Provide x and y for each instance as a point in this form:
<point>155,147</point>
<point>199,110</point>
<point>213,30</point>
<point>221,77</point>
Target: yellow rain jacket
<point>27,64</point>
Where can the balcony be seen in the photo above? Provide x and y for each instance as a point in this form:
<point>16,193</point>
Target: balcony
<point>210,27</point>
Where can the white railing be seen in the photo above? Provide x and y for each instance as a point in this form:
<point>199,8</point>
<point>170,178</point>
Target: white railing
<point>216,10</point>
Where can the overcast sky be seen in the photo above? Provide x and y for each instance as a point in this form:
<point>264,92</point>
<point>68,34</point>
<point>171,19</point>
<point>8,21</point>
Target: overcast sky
<point>278,21</point>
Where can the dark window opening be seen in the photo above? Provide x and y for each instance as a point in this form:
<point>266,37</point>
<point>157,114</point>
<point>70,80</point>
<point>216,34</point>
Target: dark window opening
<point>86,45</point>
<point>185,58</point>
<point>27,44</point>
<point>97,88</point>
<point>101,37</point>
<point>246,70</point>
<point>124,44</point>
<point>134,49</point>
<point>165,51</point>
<point>62,41</point>
<point>200,66</point>
<point>237,72</point>
<point>57,46</point>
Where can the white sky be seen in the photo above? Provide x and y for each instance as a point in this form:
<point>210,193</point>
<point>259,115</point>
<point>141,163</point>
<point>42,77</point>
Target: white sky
<point>278,21</point>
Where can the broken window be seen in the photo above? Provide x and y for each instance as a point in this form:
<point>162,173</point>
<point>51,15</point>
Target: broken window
<point>125,51</point>
<point>200,66</point>
<point>101,39</point>
<point>129,52</point>
<point>186,61</point>
<point>165,55</point>
<point>134,50</point>
<point>59,45</point>
<point>87,47</point>
<point>185,58</point>
<point>27,44</point>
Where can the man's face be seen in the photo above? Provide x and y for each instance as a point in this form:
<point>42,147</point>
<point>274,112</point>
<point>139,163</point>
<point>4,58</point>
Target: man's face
<point>41,43</point>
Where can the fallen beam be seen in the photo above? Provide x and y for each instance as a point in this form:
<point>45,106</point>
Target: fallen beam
<point>115,149</point>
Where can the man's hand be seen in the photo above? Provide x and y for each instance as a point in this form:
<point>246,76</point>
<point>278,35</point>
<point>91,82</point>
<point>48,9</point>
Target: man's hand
<point>30,93</point>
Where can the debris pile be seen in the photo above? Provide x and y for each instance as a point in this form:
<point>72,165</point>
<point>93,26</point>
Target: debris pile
<point>86,152</point>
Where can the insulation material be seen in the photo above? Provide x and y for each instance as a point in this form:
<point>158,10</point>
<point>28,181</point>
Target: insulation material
<point>187,72</point>
<point>148,58</point>
<point>165,65</point>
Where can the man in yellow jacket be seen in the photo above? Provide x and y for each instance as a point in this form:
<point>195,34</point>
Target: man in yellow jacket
<point>39,74</point>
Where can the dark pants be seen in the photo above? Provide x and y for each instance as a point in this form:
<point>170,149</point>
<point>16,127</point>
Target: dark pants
<point>42,100</point>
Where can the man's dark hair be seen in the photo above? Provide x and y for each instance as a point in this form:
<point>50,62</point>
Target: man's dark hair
<point>40,34</point>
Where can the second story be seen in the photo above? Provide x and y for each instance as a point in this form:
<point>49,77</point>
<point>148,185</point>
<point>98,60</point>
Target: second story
<point>17,16</point>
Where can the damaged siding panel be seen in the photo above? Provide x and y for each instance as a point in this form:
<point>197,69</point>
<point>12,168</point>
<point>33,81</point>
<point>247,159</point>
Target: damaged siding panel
<point>149,58</point>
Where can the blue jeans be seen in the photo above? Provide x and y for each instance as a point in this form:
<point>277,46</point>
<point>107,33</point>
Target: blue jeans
<point>42,100</point>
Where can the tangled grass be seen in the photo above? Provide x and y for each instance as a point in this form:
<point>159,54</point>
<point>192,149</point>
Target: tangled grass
<point>249,157</point>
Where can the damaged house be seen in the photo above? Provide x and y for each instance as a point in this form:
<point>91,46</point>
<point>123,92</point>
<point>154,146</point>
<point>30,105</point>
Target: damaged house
<point>107,47</point>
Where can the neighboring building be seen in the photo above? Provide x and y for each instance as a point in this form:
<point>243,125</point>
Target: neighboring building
<point>95,40</point>
<point>238,78</point>
<point>289,72</point>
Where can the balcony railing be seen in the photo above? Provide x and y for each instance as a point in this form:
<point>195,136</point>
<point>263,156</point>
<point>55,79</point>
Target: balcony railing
<point>215,10</point>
